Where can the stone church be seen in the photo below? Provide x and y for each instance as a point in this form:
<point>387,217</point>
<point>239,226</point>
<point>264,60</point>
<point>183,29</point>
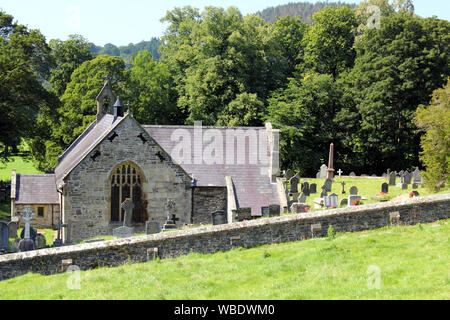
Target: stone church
<point>202,169</point>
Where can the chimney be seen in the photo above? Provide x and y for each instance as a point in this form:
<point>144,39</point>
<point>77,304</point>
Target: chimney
<point>273,136</point>
<point>118,109</point>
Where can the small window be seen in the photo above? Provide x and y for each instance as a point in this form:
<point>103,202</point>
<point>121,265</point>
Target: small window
<point>40,211</point>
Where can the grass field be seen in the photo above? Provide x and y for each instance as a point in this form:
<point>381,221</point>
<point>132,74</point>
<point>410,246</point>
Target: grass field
<point>390,263</point>
<point>20,164</point>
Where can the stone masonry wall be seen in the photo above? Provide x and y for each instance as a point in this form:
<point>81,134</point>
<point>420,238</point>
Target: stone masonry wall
<point>50,218</point>
<point>225,237</point>
<point>207,200</point>
<point>87,190</point>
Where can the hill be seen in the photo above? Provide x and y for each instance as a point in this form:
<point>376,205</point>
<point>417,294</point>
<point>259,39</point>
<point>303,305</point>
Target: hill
<point>304,10</point>
<point>390,263</point>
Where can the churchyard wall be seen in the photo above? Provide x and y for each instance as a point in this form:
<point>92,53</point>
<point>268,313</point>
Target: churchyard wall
<point>87,191</point>
<point>208,240</point>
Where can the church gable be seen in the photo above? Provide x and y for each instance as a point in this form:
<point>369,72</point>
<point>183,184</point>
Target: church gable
<point>92,191</point>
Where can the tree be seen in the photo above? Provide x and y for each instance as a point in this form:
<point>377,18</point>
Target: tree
<point>397,68</point>
<point>78,108</point>
<point>151,93</point>
<point>24,64</point>
<point>217,56</point>
<point>435,121</point>
<point>68,55</point>
<point>304,112</point>
<point>329,42</point>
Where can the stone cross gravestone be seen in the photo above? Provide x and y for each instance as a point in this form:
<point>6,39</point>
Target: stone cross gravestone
<point>340,173</point>
<point>152,227</point>
<point>343,187</point>
<point>126,231</point>
<point>288,175</point>
<point>313,188</point>
<point>385,188</point>
<point>353,190</point>
<point>219,217</point>
<point>392,178</point>
<point>58,241</point>
<point>4,237</point>
<point>170,223</point>
<point>328,184</point>
<point>26,244</point>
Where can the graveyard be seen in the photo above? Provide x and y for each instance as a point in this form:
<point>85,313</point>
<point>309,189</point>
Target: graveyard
<point>413,262</point>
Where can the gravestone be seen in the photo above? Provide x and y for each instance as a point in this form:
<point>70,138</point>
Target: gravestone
<point>126,231</point>
<point>352,174</point>
<point>4,237</point>
<point>306,189</point>
<point>58,241</point>
<point>12,226</point>
<point>385,188</point>
<point>392,178</point>
<point>323,172</point>
<point>407,177</point>
<point>152,227</point>
<point>333,200</point>
<point>400,174</point>
<point>313,188</point>
<point>352,198</point>
<point>294,181</point>
<point>340,172</point>
<point>302,198</point>
<point>299,207</point>
<point>327,202</point>
<point>353,191</point>
<point>40,242</point>
<point>244,214</point>
<point>264,211</point>
<point>415,186</point>
<point>318,175</point>
<point>404,186</point>
<point>328,184</point>
<point>417,178</point>
<point>27,244</point>
<point>344,202</point>
<point>219,218</point>
<point>343,187</point>
<point>324,192</point>
<point>274,210</point>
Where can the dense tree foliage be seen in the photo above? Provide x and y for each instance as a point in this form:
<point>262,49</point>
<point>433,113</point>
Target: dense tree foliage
<point>435,121</point>
<point>25,62</point>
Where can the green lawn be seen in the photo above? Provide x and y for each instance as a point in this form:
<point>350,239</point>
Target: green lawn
<point>413,263</point>
<point>367,187</point>
<point>20,164</point>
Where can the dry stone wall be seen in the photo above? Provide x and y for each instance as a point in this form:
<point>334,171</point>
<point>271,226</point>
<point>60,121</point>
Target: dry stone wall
<point>225,237</point>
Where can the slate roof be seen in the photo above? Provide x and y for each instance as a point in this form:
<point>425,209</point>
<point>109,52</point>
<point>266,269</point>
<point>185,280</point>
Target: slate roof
<point>252,184</point>
<point>84,144</point>
<point>36,189</point>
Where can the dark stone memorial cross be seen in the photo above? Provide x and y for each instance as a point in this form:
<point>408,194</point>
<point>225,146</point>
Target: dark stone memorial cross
<point>128,207</point>
<point>58,241</point>
<point>343,187</point>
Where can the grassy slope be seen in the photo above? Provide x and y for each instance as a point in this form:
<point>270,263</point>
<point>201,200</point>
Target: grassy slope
<point>414,263</point>
<point>20,164</point>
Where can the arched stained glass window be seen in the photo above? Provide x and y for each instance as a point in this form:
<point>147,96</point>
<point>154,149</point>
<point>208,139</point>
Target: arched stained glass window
<point>126,182</point>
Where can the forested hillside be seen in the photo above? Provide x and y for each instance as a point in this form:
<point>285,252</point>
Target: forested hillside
<point>303,10</point>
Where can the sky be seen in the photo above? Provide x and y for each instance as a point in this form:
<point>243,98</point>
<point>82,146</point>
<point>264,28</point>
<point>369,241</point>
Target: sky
<point>123,22</point>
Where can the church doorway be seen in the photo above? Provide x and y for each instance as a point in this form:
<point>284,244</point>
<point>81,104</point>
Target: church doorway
<point>126,182</point>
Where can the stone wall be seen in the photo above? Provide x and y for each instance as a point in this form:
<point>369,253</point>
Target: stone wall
<point>87,188</point>
<point>206,201</point>
<point>50,218</point>
<point>225,237</point>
